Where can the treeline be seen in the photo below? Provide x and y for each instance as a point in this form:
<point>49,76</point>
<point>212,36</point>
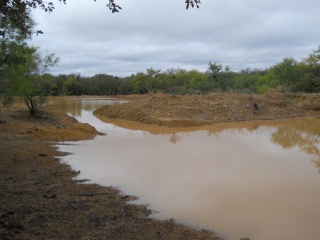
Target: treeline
<point>289,75</point>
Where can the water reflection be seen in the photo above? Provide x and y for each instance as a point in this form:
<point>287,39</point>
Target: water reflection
<point>75,106</point>
<point>304,134</point>
<point>174,138</point>
<point>241,180</point>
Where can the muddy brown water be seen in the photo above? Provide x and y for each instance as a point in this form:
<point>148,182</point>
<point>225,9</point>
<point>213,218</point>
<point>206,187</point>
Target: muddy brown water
<point>258,182</point>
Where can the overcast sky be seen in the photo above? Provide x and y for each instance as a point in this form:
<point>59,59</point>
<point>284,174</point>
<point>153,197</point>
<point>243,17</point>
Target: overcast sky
<point>162,34</point>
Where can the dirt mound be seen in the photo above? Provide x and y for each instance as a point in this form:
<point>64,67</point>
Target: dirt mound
<point>199,110</point>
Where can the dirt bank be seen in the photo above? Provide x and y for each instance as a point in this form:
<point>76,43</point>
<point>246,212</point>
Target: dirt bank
<point>199,110</point>
<point>39,199</point>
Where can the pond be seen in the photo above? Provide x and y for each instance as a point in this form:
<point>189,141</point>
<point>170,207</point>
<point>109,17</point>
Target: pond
<point>258,180</point>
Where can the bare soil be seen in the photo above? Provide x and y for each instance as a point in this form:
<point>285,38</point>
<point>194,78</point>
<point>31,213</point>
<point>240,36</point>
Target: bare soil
<point>39,198</point>
<point>200,110</point>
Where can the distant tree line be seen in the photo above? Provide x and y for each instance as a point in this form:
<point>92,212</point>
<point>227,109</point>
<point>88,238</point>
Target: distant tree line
<point>289,75</point>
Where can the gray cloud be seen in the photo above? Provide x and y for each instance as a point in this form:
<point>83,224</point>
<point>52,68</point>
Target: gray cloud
<point>162,34</point>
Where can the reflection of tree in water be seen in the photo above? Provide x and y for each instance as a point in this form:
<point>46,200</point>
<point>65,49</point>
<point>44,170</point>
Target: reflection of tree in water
<point>305,135</point>
<point>174,138</point>
<point>74,107</point>
<point>249,128</point>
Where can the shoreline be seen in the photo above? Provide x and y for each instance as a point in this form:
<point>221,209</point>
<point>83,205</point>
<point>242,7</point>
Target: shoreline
<point>40,199</point>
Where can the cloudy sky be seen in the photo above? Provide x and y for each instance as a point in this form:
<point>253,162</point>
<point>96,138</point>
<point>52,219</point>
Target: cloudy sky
<point>89,39</point>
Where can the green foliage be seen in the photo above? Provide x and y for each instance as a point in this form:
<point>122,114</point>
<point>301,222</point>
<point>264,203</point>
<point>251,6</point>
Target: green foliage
<point>247,81</point>
<point>221,80</point>
<point>287,72</point>
<point>12,42</point>
<point>215,69</point>
<point>125,87</point>
<point>141,83</point>
<point>313,61</point>
<point>57,84</point>
<point>28,79</point>
<point>293,76</point>
<point>286,76</point>
<point>71,86</point>
<point>268,82</point>
<point>199,82</point>
<point>310,73</point>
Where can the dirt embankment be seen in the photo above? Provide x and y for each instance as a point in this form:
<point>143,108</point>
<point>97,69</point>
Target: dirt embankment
<point>39,199</point>
<point>199,110</point>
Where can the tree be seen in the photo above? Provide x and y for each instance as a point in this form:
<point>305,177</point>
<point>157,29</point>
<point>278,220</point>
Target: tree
<point>125,86</point>
<point>152,74</point>
<point>28,79</point>
<point>167,82</point>
<point>246,80</point>
<point>267,83</point>
<point>140,83</point>
<point>287,72</point>
<point>72,85</point>
<point>199,82</point>
<point>214,69</point>
<point>12,38</point>
<point>221,79</point>
<point>310,69</point>
<point>313,61</point>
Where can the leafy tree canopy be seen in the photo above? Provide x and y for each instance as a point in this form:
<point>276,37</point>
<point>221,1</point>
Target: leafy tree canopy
<point>29,79</point>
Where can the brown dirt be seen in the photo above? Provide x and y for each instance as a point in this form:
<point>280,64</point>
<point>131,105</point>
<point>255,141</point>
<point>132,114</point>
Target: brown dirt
<point>200,110</point>
<point>40,200</point>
